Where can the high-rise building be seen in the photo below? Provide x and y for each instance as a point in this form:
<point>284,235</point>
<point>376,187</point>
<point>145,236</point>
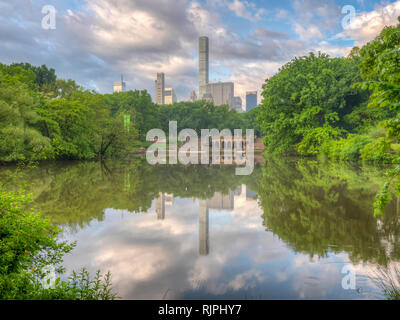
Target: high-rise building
<point>251,100</point>
<point>193,96</point>
<point>221,93</point>
<point>203,228</point>
<point>237,104</point>
<point>120,86</point>
<point>169,96</point>
<point>203,64</point>
<point>160,87</point>
<point>221,201</point>
<point>160,206</point>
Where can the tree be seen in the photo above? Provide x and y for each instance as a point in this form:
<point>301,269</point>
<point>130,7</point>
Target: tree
<point>29,247</point>
<point>380,68</point>
<point>307,93</point>
<point>19,137</point>
<point>43,75</point>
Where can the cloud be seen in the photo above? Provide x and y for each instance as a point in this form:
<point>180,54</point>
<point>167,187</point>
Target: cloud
<point>96,41</point>
<point>245,9</point>
<point>308,33</point>
<point>367,25</point>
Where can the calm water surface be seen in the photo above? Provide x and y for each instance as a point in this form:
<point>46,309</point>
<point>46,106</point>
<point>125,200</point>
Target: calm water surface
<point>174,232</point>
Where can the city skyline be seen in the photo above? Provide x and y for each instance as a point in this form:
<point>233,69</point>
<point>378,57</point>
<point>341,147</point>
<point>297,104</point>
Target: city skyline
<point>96,40</point>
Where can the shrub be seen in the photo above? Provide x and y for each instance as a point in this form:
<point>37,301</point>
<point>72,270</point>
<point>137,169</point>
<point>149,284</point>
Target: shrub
<point>377,151</point>
<point>29,246</point>
<point>345,149</point>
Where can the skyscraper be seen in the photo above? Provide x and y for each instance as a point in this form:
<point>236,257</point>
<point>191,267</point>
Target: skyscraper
<point>120,86</point>
<point>203,64</point>
<point>193,96</point>
<point>169,96</point>
<point>221,93</point>
<point>251,100</point>
<point>160,88</point>
<point>237,104</point>
<point>203,228</point>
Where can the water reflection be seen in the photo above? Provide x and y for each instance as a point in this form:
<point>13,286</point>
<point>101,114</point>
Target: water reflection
<point>167,232</point>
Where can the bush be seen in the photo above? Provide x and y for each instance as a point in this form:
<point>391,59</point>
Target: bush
<point>377,151</point>
<point>345,149</point>
<point>29,246</point>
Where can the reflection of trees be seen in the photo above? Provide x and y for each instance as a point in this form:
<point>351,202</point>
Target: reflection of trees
<point>74,193</point>
<point>316,208</point>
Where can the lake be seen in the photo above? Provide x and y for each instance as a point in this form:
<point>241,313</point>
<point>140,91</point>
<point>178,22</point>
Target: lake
<point>291,230</point>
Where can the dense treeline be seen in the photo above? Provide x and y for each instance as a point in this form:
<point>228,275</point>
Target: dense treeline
<point>317,105</point>
<point>42,117</point>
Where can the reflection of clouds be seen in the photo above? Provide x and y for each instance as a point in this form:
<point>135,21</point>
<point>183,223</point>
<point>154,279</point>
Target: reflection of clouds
<point>245,280</point>
<point>155,259</point>
<point>312,281</point>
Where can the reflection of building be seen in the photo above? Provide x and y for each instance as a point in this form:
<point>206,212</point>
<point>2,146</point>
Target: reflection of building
<point>203,228</point>
<point>218,202</point>
<point>163,199</point>
<point>160,206</point>
<point>251,100</point>
<point>221,93</point>
<point>250,194</point>
<point>169,96</point>
<point>160,87</point>
<point>238,191</point>
<point>120,86</point>
<point>169,199</point>
<point>203,64</point>
<point>221,201</point>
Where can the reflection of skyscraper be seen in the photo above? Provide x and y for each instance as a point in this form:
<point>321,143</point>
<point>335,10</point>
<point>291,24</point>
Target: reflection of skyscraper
<point>160,206</point>
<point>169,199</point>
<point>203,64</point>
<point>250,194</point>
<point>221,201</point>
<point>203,228</point>
<point>238,191</point>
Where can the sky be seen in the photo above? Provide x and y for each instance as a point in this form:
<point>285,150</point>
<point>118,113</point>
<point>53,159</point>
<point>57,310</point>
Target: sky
<point>95,41</point>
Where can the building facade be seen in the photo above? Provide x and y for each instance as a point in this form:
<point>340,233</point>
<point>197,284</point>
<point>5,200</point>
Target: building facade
<point>203,64</point>
<point>160,88</point>
<point>193,96</point>
<point>251,100</point>
<point>169,96</point>
<point>237,104</point>
<point>120,86</point>
<point>221,93</point>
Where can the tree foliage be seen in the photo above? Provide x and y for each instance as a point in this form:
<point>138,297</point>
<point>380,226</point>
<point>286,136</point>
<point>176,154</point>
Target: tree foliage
<point>308,93</point>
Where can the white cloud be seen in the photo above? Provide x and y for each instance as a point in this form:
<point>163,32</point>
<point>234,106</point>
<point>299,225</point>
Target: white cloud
<point>308,33</point>
<point>246,10</point>
<point>367,25</point>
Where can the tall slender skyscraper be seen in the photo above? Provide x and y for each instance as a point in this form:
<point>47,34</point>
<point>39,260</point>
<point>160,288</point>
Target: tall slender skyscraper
<point>160,88</point>
<point>203,64</point>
